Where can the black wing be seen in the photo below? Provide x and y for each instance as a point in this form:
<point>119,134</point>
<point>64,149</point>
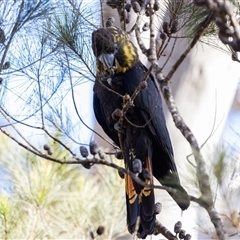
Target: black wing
<point>104,103</point>
<point>148,106</point>
<point>145,135</point>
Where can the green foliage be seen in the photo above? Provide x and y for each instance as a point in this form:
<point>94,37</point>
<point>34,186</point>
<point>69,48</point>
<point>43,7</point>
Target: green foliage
<point>189,16</point>
<point>219,167</point>
<point>71,27</point>
<point>49,200</point>
<point>194,17</point>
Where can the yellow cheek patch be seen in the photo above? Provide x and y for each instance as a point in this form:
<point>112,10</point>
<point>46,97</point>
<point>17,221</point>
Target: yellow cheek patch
<point>120,69</point>
<point>130,57</point>
<point>129,53</point>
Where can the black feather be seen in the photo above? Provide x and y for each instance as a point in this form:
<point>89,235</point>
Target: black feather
<point>145,137</point>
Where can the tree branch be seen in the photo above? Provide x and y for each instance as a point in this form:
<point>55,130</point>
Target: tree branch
<point>206,198</point>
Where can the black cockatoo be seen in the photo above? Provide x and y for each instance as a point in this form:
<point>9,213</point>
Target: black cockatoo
<point>143,133</point>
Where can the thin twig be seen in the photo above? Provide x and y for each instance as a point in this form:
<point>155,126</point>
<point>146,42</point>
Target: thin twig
<point>206,198</point>
<point>13,32</point>
<point>204,25</point>
<point>161,47</point>
<point>139,17</point>
<point>159,228</point>
<point>35,149</point>
<point>161,50</point>
<point>170,54</point>
<point>76,109</point>
<point>58,141</point>
<point>30,64</point>
<point>39,87</point>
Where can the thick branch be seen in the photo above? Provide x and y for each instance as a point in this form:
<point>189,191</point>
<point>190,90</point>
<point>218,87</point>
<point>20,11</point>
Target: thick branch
<point>229,30</point>
<point>159,228</point>
<point>206,198</point>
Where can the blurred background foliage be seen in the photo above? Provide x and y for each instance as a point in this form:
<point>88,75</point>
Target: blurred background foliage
<point>40,199</point>
<point>48,50</point>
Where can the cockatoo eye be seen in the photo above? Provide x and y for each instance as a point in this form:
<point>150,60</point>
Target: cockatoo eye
<point>115,48</point>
